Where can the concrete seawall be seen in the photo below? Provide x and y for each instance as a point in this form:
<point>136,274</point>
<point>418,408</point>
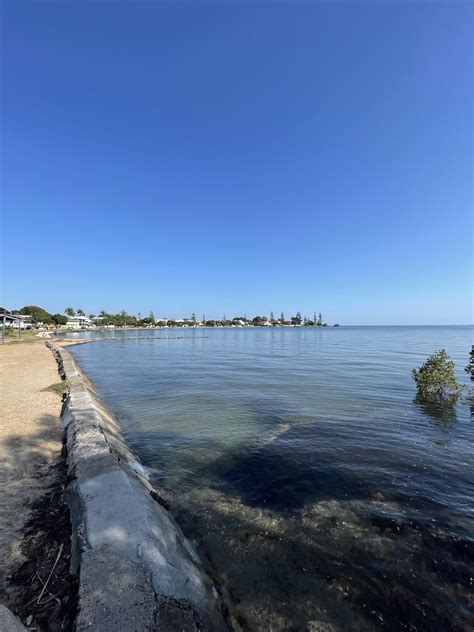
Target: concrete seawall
<point>136,569</point>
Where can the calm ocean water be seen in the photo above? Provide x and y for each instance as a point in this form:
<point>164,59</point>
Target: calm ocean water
<point>315,486</point>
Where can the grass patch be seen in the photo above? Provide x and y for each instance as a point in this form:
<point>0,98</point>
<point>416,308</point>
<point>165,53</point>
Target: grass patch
<point>59,388</point>
<point>27,335</point>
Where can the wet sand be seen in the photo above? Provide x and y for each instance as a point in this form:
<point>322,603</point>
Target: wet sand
<point>30,445</point>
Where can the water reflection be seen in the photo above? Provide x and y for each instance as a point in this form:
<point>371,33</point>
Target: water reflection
<point>442,411</point>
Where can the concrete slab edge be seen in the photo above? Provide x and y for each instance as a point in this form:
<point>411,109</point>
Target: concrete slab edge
<point>136,569</point>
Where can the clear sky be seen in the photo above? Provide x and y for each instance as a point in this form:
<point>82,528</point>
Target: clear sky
<point>240,158</point>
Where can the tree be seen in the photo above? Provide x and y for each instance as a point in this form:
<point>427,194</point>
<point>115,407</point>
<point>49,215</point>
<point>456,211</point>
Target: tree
<point>80,312</point>
<point>38,314</point>
<point>282,317</point>
<point>320,320</point>
<point>296,320</point>
<point>69,311</point>
<point>91,316</point>
<point>272,317</point>
<point>435,379</point>
<point>193,317</point>
<point>139,316</point>
<point>152,317</point>
<point>59,319</point>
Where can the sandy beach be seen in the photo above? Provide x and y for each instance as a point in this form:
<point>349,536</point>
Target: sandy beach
<point>30,446</point>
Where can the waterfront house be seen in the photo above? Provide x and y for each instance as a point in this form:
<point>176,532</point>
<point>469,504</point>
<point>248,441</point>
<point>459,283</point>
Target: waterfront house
<point>79,322</point>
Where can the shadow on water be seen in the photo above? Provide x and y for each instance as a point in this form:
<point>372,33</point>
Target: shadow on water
<point>285,481</point>
<point>283,470</point>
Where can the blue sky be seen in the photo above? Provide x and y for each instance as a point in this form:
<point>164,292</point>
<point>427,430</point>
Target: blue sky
<point>239,158</point>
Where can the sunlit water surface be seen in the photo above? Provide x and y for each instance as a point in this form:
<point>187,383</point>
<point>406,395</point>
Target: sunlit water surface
<point>315,486</point>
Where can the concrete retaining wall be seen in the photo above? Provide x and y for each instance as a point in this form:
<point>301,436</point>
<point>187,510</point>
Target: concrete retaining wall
<point>136,569</point>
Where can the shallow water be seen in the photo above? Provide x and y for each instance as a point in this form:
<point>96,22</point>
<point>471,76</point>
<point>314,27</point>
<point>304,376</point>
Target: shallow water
<point>315,486</point>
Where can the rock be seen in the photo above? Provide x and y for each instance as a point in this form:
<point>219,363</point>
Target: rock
<point>8,621</point>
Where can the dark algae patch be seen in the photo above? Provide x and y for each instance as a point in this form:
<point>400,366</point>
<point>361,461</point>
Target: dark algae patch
<point>356,564</point>
<point>43,592</point>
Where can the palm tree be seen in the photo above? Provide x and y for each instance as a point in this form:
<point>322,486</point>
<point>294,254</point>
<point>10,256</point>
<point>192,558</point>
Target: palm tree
<point>69,311</point>
<point>80,312</point>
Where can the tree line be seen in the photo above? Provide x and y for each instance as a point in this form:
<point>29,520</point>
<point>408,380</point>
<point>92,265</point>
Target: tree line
<point>123,319</point>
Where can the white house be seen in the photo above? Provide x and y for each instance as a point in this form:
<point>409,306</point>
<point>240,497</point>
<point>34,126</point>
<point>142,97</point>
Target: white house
<point>79,322</point>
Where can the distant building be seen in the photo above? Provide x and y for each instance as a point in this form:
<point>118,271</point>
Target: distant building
<point>16,321</point>
<point>79,322</point>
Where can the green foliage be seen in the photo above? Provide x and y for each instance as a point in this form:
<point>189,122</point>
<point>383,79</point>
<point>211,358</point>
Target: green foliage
<point>118,320</point>
<point>59,319</point>
<point>59,387</point>
<point>435,379</point>
<point>69,311</point>
<point>38,314</point>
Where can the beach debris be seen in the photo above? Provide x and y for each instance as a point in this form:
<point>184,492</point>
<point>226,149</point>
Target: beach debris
<point>45,584</point>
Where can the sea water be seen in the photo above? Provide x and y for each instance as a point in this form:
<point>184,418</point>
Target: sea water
<point>317,488</point>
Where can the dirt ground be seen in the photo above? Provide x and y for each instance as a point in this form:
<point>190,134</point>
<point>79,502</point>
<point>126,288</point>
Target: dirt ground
<point>32,473</point>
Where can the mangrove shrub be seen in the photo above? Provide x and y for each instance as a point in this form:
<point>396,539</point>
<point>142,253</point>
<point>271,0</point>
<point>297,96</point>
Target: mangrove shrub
<point>435,379</point>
